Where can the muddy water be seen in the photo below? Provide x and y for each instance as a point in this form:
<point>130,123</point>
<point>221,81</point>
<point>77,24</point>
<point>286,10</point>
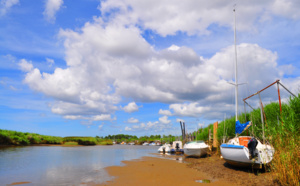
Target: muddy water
<point>56,165</point>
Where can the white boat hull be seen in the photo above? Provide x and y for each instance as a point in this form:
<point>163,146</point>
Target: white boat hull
<point>195,149</point>
<point>164,148</point>
<point>196,152</point>
<point>238,155</point>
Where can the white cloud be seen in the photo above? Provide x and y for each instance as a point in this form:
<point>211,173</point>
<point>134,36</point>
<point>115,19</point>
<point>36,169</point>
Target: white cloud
<point>192,109</point>
<point>287,8</point>
<point>100,127</point>
<point>128,129</point>
<point>25,65</point>
<point>52,6</point>
<point>163,125</point>
<point>50,62</point>
<point>133,120</point>
<point>74,117</point>
<point>103,117</point>
<point>164,120</point>
<point>131,107</point>
<point>165,112</point>
<point>88,85</point>
<point>179,120</point>
<point>5,6</point>
<point>168,18</point>
<point>108,61</point>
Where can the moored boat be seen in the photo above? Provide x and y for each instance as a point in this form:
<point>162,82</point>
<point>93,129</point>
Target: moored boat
<point>166,148</point>
<point>177,147</point>
<point>245,150</point>
<point>195,148</point>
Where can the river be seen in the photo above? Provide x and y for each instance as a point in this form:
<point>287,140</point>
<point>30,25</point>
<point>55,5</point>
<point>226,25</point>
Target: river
<point>58,165</point>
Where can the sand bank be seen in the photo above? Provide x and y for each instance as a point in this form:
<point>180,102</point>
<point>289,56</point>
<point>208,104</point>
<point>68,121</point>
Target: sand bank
<point>160,171</point>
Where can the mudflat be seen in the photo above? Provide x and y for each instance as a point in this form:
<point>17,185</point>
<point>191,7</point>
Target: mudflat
<point>193,171</point>
<point>158,171</point>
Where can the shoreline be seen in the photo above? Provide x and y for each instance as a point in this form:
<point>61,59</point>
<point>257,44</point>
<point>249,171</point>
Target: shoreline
<point>55,145</point>
<point>193,171</point>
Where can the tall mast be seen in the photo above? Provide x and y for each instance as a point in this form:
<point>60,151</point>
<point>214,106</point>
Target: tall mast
<point>236,80</point>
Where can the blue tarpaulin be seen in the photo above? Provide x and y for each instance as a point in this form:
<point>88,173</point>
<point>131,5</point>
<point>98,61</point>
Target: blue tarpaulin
<point>240,127</point>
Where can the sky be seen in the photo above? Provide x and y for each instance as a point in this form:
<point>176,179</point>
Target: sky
<point>94,68</point>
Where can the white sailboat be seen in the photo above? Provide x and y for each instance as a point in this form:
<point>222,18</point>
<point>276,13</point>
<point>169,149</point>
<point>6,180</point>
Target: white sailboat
<point>195,148</point>
<point>244,150</point>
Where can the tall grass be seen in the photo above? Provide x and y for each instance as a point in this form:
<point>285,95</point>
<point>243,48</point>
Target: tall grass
<point>281,129</point>
<point>88,140</point>
<point>8,137</point>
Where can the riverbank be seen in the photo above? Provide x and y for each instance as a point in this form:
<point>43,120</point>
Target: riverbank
<point>161,171</point>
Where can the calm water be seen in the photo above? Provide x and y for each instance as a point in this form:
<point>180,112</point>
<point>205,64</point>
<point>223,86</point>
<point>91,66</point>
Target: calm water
<point>55,165</point>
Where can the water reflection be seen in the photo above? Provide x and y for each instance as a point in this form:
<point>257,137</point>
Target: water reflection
<point>56,165</point>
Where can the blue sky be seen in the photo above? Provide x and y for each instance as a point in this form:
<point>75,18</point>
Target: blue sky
<point>87,68</point>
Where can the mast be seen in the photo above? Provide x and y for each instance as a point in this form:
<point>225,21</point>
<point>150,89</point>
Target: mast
<point>236,80</point>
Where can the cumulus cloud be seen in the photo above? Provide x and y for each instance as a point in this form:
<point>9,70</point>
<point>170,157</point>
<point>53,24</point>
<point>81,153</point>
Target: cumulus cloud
<point>74,117</point>
<point>103,117</point>
<point>128,129</point>
<point>192,109</point>
<point>157,126</point>
<point>168,18</point>
<point>90,85</point>
<point>287,8</point>
<point>133,120</point>
<point>5,6</point>
<point>179,120</point>
<point>165,112</point>
<point>52,6</point>
<point>164,120</point>
<point>131,107</point>
<point>25,65</point>
<point>109,61</point>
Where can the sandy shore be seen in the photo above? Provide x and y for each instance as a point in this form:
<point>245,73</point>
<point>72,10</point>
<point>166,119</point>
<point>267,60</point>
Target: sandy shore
<point>162,171</point>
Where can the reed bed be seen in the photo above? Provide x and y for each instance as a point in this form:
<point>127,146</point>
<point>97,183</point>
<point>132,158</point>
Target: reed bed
<point>281,129</point>
<point>9,137</point>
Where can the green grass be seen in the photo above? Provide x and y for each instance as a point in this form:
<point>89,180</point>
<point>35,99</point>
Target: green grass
<point>8,137</point>
<point>71,143</point>
<point>282,130</point>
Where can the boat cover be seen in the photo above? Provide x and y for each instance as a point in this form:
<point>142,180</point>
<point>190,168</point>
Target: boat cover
<point>240,127</point>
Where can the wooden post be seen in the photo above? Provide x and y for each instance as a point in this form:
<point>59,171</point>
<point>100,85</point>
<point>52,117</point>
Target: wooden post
<point>215,139</point>
<point>279,98</point>
<point>262,118</point>
<point>209,135</point>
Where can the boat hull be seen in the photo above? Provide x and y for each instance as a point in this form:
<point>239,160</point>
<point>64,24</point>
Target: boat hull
<point>238,155</point>
<point>195,149</point>
<point>164,149</point>
<point>195,152</point>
